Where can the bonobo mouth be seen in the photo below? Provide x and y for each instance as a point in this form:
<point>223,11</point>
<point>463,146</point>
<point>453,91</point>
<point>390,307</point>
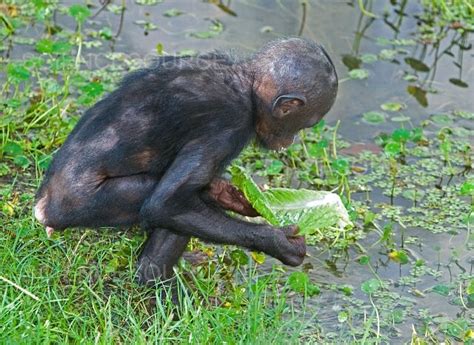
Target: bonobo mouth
<point>275,143</point>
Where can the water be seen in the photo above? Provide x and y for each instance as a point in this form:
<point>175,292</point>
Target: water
<point>343,31</point>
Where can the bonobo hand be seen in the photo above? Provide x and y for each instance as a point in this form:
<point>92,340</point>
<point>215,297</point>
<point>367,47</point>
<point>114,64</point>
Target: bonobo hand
<point>230,198</point>
<point>291,248</point>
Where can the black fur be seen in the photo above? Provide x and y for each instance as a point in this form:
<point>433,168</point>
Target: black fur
<point>146,153</point>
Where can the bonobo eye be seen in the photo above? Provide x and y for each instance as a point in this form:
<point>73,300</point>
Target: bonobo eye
<point>285,104</point>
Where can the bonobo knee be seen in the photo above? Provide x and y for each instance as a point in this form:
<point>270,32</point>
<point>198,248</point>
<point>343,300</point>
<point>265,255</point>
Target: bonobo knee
<point>154,214</point>
<point>47,215</point>
<point>58,212</point>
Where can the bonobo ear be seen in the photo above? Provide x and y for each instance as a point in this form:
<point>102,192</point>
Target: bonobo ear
<point>286,104</point>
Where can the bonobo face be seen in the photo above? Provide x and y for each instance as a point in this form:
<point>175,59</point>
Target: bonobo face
<point>296,85</point>
<point>277,129</point>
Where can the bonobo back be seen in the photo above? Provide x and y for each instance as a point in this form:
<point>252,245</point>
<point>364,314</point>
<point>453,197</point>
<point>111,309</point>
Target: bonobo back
<point>152,151</point>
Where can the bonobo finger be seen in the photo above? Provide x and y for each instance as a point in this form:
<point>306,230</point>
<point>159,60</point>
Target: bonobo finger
<point>291,231</point>
<point>246,208</point>
<point>291,248</point>
<point>230,198</point>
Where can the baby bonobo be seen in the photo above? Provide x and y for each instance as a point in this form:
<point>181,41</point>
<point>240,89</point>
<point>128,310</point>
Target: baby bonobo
<point>152,151</point>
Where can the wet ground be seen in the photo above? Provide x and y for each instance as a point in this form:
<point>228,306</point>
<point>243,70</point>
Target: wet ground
<point>350,38</point>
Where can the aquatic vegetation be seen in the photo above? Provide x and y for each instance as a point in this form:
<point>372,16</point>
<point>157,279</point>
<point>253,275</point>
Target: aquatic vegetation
<point>399,160</point>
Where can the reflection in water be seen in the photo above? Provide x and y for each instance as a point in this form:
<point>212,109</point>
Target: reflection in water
<point>429,75</point>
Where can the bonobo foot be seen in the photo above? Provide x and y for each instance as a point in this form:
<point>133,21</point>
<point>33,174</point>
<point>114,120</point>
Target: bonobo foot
<point>160,253</point>
<point>150,272</point>
<point>291,247</point>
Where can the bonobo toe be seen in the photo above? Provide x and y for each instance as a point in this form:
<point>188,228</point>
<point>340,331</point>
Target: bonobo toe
<point>148,272</point>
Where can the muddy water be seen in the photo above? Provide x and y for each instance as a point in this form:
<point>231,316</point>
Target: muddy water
<point>343,31</point>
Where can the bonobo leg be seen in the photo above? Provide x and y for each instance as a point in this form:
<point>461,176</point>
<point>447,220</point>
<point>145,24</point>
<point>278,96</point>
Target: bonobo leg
<point>161,252</point>
<point>176,204</point>
<point>163,248</point>
<point>90,201</point>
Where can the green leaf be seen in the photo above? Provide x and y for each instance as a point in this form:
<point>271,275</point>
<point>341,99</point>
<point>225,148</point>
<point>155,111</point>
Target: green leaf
<point>442,119</point>
<point>17,72</point>
<point>441,289</point>
<point>79,13</point>
<point>370,286</point>
<point>419,94</point>
<point>399,256</point>
<point>173,12</point>
<point>369,58</point>
<point>317,149</point>
<point>253,194</point>
<point>239,257</point>
<point>341,166</point>
<point>215,29</point>
<point>417,65</point>
<point>364,260</point>
<point>275,167</point>
<point>351,61</point>
<point>61,48</point>
<point>258,257</point>
<point>342,316</point>
<point>359,74</point>
<point>21,161</point>
<point>49,47</point>
<point>187,52</point>
<point>392,148</point>
<point>374,117</point>
<point>458,82</point>
<point>470,287</point>
<point>416,134</point>
<point>388,54</point>
<point>401,135</point>
<point>12,149</point>
<point>311,210</point>
<point>148,2</point>
<point>393,106</point>
<point>44,46</point>
<point>44,161</point>
<point>467,188</point>
<point>106,33</point>
<point>300,282</point>
<point>93,89</point>
<point>159,49</point>
<point>413,194</point>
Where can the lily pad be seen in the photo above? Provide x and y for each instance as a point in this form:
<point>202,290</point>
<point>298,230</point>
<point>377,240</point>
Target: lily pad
<point>359,74</point>
<point>370,286</point>
<point>374,117</point>
<point>442,119</point>
<point>393,106</point>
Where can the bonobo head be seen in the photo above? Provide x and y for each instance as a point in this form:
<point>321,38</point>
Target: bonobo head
<point>295,84</point>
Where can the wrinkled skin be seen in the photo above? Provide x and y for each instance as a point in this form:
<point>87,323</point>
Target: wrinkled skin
<point>152,151</point>
<point>229,197</point>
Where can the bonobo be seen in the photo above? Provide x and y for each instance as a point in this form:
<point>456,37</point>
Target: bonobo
<point>152,151</point>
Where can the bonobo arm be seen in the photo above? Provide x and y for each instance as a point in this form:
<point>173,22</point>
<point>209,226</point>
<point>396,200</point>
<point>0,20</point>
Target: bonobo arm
<point>177,204</point>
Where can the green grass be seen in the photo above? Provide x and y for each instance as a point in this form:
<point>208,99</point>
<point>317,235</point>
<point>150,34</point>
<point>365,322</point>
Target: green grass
<point>76,292</point>
<point>79,286</point>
